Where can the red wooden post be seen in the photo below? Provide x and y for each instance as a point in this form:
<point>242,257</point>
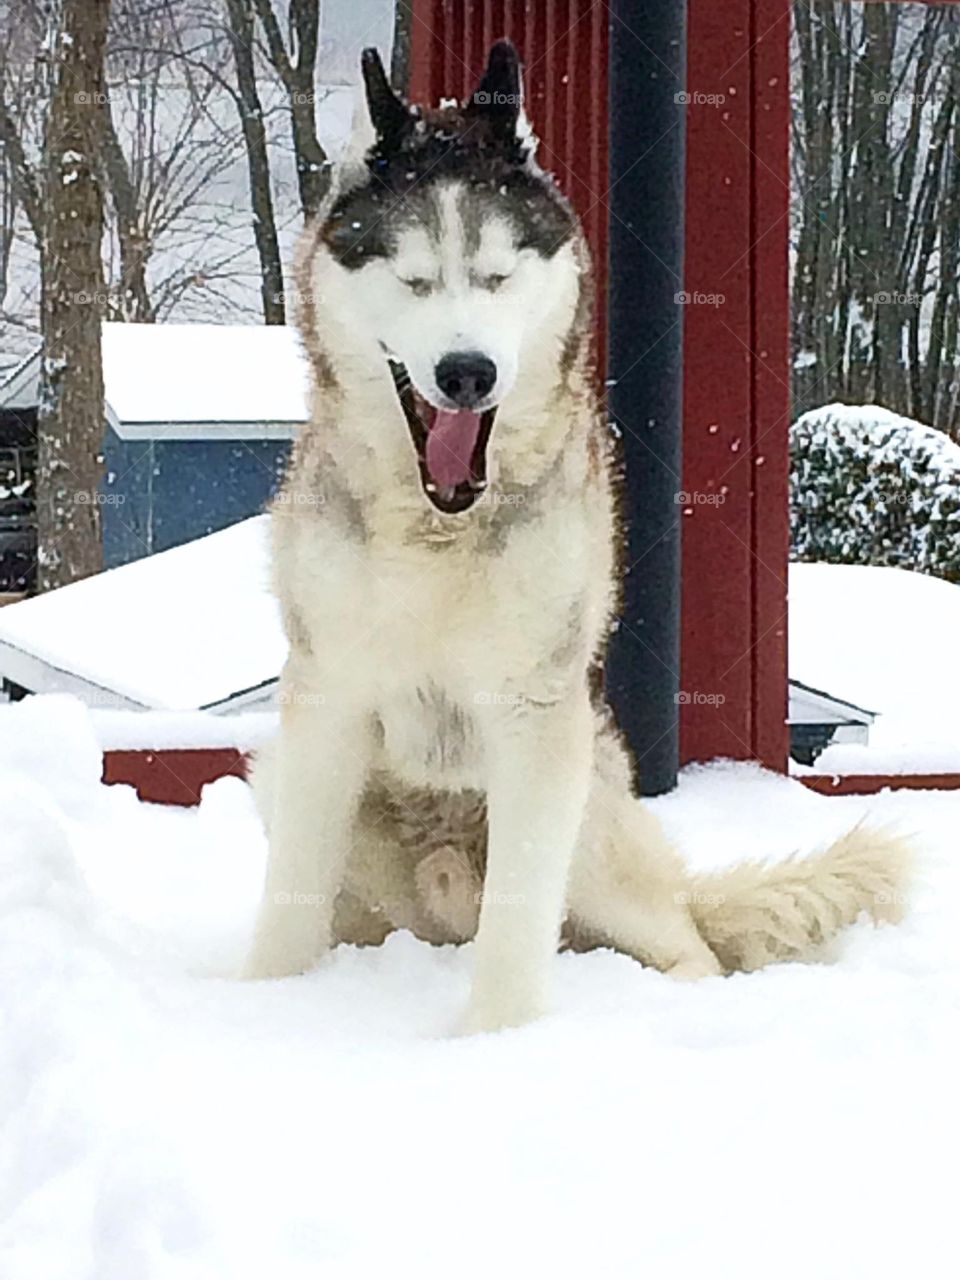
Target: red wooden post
<point>736,450</point>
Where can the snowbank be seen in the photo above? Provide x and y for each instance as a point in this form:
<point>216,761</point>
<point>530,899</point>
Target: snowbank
<point>886,639</point>
<point>172,730</point>
<point>164,1122</point>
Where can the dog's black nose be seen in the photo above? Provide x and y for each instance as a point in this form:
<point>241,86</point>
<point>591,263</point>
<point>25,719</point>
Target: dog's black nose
<point>466,377</point>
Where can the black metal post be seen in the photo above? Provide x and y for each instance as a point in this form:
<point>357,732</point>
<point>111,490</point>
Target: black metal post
<point>647,105</point>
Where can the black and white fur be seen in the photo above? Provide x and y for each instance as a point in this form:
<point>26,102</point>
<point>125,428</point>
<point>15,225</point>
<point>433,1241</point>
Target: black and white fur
<point>446,762</point>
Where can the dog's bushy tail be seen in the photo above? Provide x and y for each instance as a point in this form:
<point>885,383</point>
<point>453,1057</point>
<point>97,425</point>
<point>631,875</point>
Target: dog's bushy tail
<point>756,914</point>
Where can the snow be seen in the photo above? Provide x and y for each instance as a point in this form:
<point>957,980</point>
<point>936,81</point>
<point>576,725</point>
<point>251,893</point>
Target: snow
<point>191,376</point>
<point>180,630</point>
<point>885,639</point>
<point>204,373</point>
<point>856,424</point>
<point>162,1121</point>
<point>172,730</point>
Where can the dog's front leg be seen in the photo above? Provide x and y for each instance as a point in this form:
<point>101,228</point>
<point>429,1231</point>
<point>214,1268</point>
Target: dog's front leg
<point>538,770</point>
<point>321,767</point>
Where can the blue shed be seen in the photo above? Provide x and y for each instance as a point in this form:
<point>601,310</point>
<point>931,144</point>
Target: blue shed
<point>199,420</point>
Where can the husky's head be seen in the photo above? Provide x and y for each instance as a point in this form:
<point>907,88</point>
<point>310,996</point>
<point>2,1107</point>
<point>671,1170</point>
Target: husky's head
<point>445,251</point>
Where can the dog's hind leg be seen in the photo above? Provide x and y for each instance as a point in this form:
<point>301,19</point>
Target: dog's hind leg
<point>628,888</point>
<point>320,768</point>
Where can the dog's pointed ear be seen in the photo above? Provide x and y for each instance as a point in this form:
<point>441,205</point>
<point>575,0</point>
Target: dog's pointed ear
<point>389,116</point>
<point>362,136</point>
<point>499,94</point>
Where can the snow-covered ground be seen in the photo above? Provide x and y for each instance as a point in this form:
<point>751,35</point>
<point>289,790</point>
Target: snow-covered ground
<point>162,1121</point>
<point>887,640</point>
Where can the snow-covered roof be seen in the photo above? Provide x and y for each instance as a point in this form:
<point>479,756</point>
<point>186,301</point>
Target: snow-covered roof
<point>816,706</point>
<point>192,381</point>
<point>193,627</point>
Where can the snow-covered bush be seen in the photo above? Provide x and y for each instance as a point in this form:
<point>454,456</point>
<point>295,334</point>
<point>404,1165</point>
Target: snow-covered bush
<point>870,487</point>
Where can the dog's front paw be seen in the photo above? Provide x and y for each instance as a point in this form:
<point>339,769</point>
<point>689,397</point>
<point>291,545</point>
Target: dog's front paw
<point>274,958</point>
<point>498,1015</point>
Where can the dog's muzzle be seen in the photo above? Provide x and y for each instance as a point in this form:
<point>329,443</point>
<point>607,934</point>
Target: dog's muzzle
<point>450,444</point>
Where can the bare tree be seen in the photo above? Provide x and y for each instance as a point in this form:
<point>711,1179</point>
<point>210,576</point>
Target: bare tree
<point>133,293</point>
<point>177,189</point>
<point>876,140</point>
<point>297,69</point>
<point>258,165</point>
<point>71,416</point>
<point>170,156</point>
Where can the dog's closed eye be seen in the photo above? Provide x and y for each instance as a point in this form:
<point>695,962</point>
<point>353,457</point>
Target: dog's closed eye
<point>492,281</point>
<point>419,286</point>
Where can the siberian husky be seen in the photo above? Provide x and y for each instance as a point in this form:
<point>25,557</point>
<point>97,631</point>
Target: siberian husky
<point>445,549</point>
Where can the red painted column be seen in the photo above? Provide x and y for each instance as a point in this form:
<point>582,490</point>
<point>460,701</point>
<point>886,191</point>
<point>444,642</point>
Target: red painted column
<point>769,461</point>
<point>736,376</point>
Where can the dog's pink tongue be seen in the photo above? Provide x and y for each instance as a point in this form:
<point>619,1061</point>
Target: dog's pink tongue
<point>451,441</point>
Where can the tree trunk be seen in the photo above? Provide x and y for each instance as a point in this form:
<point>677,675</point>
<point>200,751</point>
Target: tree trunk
<point>258,164</point>
<point>402,39</point>
<point>298,74</point>
<point>21,174</point>
<point>71,419</point>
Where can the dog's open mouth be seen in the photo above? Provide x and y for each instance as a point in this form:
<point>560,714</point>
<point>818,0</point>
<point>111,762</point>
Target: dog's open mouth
<point>451,446</point>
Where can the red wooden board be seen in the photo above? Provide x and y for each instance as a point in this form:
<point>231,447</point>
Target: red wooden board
<point>178,777</point>
<point>172,777</point>
<point>867,784</point>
